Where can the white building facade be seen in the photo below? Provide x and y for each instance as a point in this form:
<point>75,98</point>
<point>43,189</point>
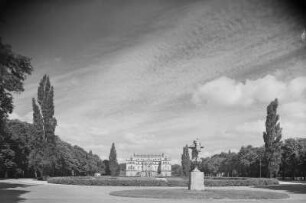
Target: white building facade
<point>148,165</point>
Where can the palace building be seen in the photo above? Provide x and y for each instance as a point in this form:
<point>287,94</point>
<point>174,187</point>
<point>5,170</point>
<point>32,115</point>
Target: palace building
<point>148,165</point>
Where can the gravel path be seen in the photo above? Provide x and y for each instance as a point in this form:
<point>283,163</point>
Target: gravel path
<point>32,191</point>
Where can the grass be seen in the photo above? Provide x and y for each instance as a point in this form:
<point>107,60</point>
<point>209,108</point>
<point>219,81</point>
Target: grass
<point>207,194</point>
<point>296,188</point>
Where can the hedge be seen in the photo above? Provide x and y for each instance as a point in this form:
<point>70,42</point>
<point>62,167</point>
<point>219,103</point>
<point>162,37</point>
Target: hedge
<point>241,182</point>
<point>171,182</point>
<point>108,181</point>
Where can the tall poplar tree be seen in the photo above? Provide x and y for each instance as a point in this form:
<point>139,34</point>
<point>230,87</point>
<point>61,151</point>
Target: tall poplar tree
<point>272,138</point>
<point>113,163</point>
<point>42,157</point>
<point>186,162</point>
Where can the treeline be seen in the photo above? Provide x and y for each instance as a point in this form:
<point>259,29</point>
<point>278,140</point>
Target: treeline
<point>67,160</point>
<point>276,158</point>
<point>250,162</point>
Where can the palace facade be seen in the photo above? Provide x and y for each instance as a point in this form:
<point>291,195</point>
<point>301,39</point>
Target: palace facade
<point>148,165</point>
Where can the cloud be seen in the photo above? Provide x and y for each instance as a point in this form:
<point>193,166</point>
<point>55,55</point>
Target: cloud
<point>27,117</point>
<point>294,110</point>
<point>15,116</point>
<point>251,127</point>
<point>228,92</point>
<point>139,139</point>
<point>293,129</point>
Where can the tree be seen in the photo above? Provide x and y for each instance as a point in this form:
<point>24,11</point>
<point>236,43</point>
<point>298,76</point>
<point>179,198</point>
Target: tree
<point>122,168</point>
<point>229,166</point>
<point>106,165</point>
<point>272,138</point>
<point>43,154</point>
<point>13,71</point>
<point>248,161</point>
<point>113,163</point>
<point>176,170</point>
<point>7,156</point>
<point>186,162</point>
<point>20,135</point>
<point>291,157</point>
<point>213,164</point>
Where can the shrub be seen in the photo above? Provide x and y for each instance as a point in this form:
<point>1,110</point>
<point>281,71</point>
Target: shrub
<point>240,182</point>
<point>108,181</point>
<point>171,181</point>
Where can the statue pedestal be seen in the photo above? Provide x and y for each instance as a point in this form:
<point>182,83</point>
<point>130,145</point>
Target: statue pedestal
<point>196,180</point>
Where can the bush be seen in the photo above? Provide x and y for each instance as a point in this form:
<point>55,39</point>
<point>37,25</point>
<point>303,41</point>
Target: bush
<point>171,181</point>
<point>109,181</point>
<point>178,182</point>
<point>240,182</point>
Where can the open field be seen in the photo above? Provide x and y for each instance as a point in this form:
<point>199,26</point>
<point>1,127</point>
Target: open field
<point>31,191</point>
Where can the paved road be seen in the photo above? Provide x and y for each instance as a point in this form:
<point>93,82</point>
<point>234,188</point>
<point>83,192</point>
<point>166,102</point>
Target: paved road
<point>31,191</point>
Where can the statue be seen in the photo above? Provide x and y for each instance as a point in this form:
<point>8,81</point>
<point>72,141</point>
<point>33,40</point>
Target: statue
<point>196,148</point>
<point>196,178</point>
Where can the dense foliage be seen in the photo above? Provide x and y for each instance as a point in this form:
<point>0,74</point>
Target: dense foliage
<point>293,160</point>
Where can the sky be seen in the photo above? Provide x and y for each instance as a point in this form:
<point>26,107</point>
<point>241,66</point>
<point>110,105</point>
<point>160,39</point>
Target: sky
<point>152,76</point>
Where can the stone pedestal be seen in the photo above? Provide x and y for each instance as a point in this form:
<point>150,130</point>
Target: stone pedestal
<point>196,180</point>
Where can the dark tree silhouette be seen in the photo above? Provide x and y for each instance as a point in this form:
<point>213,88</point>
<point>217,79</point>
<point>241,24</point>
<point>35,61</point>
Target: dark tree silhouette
<point>186,162</point>
<point>272,138</point>
<point>113,163</point>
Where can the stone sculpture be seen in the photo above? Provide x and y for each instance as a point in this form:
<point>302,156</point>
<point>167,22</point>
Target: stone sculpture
<point>196,178</point>
<point>196,149</point>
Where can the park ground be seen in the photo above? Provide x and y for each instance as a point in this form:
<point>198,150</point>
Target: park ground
<point>32,191</point>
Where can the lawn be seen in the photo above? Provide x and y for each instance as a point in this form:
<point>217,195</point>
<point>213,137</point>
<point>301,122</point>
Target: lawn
<point>207,194</point>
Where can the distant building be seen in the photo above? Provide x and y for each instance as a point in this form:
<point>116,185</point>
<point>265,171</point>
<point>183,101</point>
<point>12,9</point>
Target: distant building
<point>148,165</point>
